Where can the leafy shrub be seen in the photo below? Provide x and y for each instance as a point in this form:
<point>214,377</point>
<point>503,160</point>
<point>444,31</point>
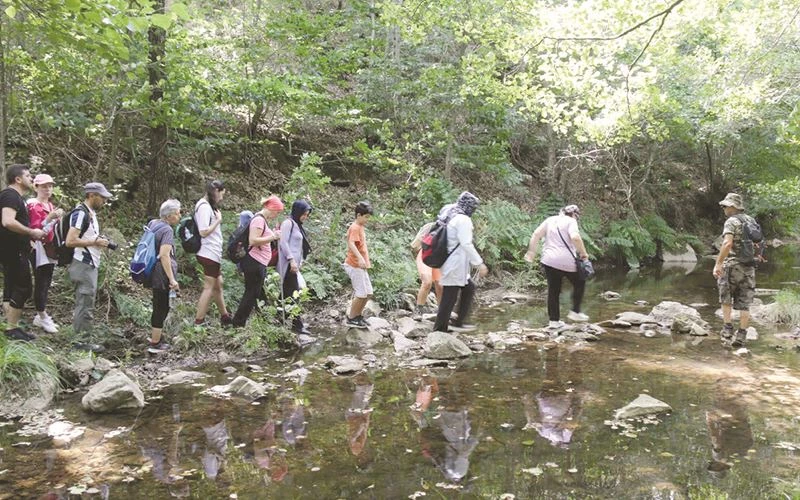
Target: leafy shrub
<point>502,232</point>
<point>660,232</point>
<point>261,332</point>
<point>133,309</point>
<point>628,241</point>
<point>434,192</point>
<point>393,270</point>
<point>307,180</point>
<point>548,207</point>
<point>23,365</point>
<point>786,308</point>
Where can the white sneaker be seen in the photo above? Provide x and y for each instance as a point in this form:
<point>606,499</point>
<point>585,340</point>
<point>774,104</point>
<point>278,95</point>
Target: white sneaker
<point>555,325</point>
<point>47,324</point>
<point>576,316</point>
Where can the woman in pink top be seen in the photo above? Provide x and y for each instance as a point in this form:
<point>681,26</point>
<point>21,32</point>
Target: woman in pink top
<point>562,242</point>
<point>254,264</point>
<point>43,215</point>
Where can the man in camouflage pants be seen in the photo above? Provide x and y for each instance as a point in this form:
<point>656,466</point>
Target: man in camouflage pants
<point>736,279</point>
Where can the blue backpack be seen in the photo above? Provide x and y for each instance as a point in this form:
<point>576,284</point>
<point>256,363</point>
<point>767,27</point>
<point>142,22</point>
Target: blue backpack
<point>144,258</point>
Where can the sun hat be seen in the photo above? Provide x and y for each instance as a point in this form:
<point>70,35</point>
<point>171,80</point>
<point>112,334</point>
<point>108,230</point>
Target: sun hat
<point>732,200</point>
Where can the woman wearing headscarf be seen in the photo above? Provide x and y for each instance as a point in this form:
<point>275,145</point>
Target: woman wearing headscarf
<point>562,241</point>
<point>455,278</point>
<point>293,250</point>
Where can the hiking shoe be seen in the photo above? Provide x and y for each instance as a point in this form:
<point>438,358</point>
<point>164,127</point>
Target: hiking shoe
<point>158,347</point>
<point>555,325</point>
<point>741,336</point>
<point>47,324</point>
<point>88,347</point>
<point>204,323</point>
<point>226,321</point>
<point>417,313</point>
<point>357,322</point>
<point>463,327</point>
<point>20,334</point>
<point>577,317</point>
<point>726,333</point>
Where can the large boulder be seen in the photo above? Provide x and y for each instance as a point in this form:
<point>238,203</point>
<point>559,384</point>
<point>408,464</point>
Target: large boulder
<point>440,345</point>
<point>362,338</point>
<point>115,391</point>
<point>401,343</point>
<point>412,329</point>
<point>642,405</point>
<point>688,255</point>
<point>45,393</point>
<point>688,325</point>
<point>76,371</point>
<point>182,377</point>
<point>241,386</point>
<point>341,365</point>
<point>635,318</point>
<point>377,323</point>
<point>667,311</point>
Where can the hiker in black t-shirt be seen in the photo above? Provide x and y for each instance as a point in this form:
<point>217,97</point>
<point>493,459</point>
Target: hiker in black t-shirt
<point>15,246</point>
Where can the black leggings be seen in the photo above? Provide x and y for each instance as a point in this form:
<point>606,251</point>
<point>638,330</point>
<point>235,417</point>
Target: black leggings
<point>449,297</point>
<point>554,277</point>
<point>291,285</point>
<point>254,273</point>
<point>160,308</point>
<point>42,279</point>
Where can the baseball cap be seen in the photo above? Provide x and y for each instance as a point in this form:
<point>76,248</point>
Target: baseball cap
<point>96,187</point>
<point>43,179</point>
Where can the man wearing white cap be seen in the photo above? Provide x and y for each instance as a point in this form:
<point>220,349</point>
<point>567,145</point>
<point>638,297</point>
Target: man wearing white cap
<point>84,237</point>
<point>735,270</point>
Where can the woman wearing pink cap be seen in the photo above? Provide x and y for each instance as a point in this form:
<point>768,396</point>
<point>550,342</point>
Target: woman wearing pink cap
<point>43,215</point>
<point>254,264</point>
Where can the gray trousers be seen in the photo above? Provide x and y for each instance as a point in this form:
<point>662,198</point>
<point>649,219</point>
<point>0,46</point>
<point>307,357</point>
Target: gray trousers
<point>84,278</point>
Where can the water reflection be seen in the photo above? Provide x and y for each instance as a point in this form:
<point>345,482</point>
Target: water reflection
<point>266,453</point>
<point>553,411</point>
<point>217,443</point>
<point>293,426</point>
<point>357,416</point>
<point>730,434</point>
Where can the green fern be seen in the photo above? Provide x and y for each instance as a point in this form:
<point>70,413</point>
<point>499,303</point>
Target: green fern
<point>661,232</point>
<point>502,232</point>
<point>629,241</point>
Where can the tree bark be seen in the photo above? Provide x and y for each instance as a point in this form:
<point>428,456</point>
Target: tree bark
<point>159,185</point>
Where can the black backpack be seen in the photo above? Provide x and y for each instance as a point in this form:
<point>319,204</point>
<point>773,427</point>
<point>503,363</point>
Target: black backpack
<point>434,245</point>
<point>188,234</point>
<point>64,253</point>
<point>239,242</point>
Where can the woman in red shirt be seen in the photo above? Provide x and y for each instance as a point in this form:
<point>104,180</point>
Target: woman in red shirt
<point>43,215</point>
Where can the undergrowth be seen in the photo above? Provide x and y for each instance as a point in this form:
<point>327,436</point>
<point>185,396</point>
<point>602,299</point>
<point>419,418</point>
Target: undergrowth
<point>23,366</point>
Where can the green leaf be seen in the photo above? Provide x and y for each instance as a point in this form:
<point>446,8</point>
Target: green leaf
<point>161,20</point>
<point>11,11</point>
<point>180,10</point>
<point>73,5</point>
<point>528,443</point>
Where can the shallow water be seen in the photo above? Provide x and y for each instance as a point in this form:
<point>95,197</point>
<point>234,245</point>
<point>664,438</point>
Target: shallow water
<point>531,422</point>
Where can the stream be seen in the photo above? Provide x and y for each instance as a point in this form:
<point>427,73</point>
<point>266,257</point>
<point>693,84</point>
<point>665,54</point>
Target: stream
<point>527,422</point>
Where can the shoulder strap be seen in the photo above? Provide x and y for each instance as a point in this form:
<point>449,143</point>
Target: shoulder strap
<point>565,243</point>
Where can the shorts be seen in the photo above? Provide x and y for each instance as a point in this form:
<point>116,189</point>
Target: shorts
<point>210,268</point>
<point>427,272</point>
<point>737,286</point>
<point>362,286</point>
<point>18,285</point>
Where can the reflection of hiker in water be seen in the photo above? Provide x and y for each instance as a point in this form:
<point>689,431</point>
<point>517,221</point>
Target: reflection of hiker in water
<point>217,444</point>
<point>165,463</point>
<point>293,427</point>
<point>730,434</point>
<point>427,389</point>
<point>357,416</point>
<point>266,453</point>
<point>457,430</point>
<point>553,411</point>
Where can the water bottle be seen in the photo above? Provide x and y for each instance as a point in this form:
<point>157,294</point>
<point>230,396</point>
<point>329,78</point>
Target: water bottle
<point>172,295</point>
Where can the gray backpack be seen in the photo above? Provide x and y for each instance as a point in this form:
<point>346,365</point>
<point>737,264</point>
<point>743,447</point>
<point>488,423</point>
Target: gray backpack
<point>751,235</point>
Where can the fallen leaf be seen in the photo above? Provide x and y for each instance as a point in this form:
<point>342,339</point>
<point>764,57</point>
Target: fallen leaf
<point>536,471</point>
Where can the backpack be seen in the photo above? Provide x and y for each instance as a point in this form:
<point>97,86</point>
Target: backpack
<point>144,257</point>
<point>239,241</point>
<point>751,235</point>
<point>434,245</point>
<point>188,234</point>
<point>63,253</point>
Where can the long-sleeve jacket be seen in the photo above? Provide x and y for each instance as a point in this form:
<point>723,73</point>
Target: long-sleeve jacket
<point>456,269</point>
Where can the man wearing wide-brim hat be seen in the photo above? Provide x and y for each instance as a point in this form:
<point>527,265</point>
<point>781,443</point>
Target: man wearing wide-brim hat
<point>735,270</point>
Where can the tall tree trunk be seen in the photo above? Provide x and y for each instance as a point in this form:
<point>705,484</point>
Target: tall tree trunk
<point>159,186</point>
<point>552,175</point>
<point>710,165</point>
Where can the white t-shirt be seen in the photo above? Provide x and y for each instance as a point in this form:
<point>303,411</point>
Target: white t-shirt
<point>211,245</point>
<point>87,255</point>
<point>555,253</point>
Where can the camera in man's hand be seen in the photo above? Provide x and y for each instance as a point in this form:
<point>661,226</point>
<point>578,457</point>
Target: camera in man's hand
<point>112,245</point>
